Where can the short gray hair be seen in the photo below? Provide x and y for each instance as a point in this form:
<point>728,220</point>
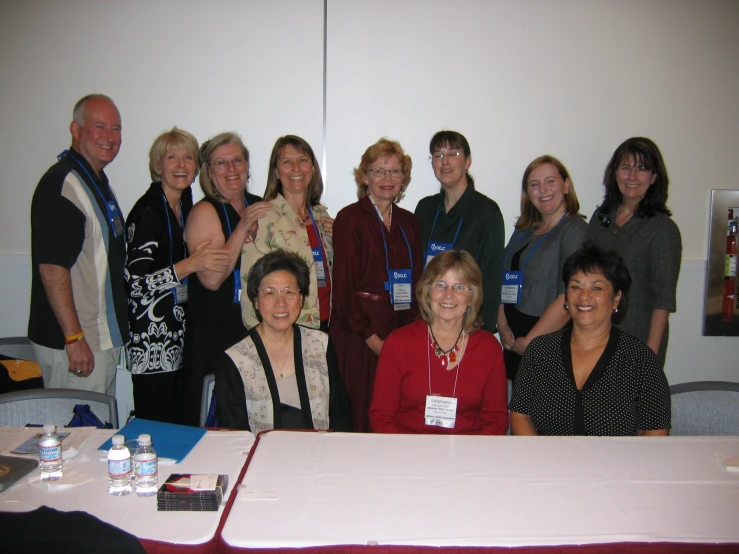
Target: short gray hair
<point>78,114</point>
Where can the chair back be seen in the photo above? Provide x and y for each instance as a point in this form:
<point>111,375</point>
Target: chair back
<point>209,383</point>
<point>705,408</point>
<point>18,348</point>
<point>40,406</point>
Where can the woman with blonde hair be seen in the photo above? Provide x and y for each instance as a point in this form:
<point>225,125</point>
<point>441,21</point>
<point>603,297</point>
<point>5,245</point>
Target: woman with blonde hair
<point>547,232</point>
<point>443,373</point>
<point>221,219</point>
<point>377,251</point>
<point>158,266</point>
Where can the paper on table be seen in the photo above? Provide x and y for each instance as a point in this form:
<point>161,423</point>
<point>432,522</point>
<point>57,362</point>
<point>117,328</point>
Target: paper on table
<point>169,440</point>
<point>71,445</point>
<point>729,461</point>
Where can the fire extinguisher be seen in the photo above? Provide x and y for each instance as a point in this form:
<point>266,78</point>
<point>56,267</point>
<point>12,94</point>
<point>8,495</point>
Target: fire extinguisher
<point>730,273</point>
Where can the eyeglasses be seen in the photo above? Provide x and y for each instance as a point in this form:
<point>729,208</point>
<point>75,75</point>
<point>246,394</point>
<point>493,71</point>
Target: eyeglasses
<point>270,294</point>
<point>380,172</point>
<point>223,164</point>
<point>458,288</point>
<point>438,156</point>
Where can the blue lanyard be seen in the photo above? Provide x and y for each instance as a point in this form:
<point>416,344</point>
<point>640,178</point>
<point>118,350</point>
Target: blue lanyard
<point>228,220</point>
<point>384,244</point>
<point>318,235</point>
<point>544,236</point>
<point>94,183</point>
<point>461,220</point>
<point>169,226</point>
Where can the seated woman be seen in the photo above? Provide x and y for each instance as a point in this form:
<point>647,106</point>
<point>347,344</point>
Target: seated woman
<point>442,373</point>
<point>591,378</point>
<point>281,376</point>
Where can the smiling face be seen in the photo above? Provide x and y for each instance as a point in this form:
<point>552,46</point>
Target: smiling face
<point>277,312</point>
<point>294,170</point>
<point>229,171</point>
<point>178,169</point>
<point>99,137</point>
<point>383,189</point>
<point>591,300</point>
<point>451,169</point>
<point>547,190</point>
<point>446,305</point>
<point>634,180</point>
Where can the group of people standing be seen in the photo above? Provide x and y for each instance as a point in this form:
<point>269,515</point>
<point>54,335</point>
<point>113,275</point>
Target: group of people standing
<point>381,319</point>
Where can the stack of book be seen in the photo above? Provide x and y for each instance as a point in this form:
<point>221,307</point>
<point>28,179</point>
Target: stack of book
<point>192,492</point>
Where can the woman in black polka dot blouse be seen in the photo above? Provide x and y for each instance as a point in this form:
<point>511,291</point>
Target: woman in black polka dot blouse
<point>591,378</point>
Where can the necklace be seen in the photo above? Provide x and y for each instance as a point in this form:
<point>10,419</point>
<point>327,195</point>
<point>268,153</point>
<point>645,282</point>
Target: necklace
<point>445,356</point>
<point>278,369</point>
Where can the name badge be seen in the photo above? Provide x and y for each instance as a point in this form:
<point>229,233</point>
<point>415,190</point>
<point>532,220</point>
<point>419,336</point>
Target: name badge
<point>437,248</point>
<point>512,286</point>
<point>115,218</point>
<point>441,411</point>
<point>237,285</point>
<point>399,284</point>
<point>320,267</point>
<point>180,294</point>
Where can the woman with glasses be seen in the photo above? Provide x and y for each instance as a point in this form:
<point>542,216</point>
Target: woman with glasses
<point>462,218</point>
<point>377,251</point>
<point>297,222</point>
<point>157,268</point>
<point>221,220</point>
<point>547,232</point>
<point>282,375</point>
<point>443,373</point>
<point>634,220</point>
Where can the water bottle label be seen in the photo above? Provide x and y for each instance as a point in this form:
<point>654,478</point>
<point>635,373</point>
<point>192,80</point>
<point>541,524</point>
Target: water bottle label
<point>145,468</point>
<point>119,468</point>
<point>50,453</point>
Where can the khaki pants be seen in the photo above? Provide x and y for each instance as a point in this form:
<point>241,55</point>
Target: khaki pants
<point>55,369</point>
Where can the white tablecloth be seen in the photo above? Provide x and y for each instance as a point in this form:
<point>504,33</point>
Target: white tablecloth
<point>330,488</point>
<point>217,452</point>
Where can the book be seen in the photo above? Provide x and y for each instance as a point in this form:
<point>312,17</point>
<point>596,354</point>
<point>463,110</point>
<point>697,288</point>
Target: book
<point>12,469</point>
<point>192,492</point>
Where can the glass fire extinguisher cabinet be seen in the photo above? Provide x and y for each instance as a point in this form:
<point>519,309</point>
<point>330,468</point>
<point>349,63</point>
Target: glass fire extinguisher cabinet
<point>721,307</point>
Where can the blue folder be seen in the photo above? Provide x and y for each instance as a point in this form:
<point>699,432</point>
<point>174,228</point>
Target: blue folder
<point>169,440</point>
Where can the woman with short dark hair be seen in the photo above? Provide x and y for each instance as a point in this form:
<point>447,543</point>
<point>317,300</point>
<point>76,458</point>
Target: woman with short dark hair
<point>443,374</point>
<point>591,378</point>
<point>634,220</point>
<point>281,375</point>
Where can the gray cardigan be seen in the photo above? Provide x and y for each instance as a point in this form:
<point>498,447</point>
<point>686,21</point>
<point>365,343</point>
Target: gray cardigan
<point>542,275</point>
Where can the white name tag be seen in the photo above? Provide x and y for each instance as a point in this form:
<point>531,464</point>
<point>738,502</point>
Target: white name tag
<point>441,411</point>
<point>401,293</point>
<point>180,294</point>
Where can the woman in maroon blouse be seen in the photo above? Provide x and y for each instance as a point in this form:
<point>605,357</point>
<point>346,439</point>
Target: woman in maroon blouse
<point>377,261</point>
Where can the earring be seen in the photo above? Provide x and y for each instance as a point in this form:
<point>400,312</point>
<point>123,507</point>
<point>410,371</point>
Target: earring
<point>615,310</point>
<point>469,307</point>
<point>567,308</point>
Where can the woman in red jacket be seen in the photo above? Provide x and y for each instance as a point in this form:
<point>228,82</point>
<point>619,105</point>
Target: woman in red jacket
<point>442,373</point>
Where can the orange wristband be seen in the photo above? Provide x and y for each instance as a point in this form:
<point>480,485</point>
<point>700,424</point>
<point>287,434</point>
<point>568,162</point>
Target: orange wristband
<point>74,338</point>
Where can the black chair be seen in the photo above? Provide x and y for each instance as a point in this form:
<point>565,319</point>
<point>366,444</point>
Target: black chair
<point>40,406</point>
<point>705,408</point>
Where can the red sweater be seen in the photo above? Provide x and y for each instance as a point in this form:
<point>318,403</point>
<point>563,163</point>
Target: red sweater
<point>402,384</point>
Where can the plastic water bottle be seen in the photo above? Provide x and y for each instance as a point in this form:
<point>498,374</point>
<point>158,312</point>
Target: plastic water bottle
<point>119,467</point>
<point>146,467</point>
<point>50,454</point>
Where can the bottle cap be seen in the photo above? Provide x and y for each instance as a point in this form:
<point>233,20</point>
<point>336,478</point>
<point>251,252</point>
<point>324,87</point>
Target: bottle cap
<point>144,439</point>
<point>118,440</point>
<point>49,428</point>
